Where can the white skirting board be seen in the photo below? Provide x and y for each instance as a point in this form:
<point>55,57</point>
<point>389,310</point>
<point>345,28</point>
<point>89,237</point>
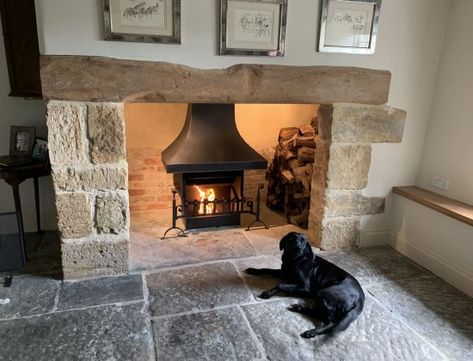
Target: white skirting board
<point>455,274</point>
<point>375,238</point>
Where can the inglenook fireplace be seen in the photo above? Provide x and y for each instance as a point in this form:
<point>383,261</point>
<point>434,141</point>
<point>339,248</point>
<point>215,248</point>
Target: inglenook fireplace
<point>208,160</point>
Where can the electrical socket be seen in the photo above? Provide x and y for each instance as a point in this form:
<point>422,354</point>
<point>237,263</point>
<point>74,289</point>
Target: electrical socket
<point>440,182</point>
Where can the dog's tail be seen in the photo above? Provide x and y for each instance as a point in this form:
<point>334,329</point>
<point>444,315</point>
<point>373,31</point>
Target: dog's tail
<point>343,324</point>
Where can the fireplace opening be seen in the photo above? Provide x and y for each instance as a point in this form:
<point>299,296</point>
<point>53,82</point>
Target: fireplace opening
<point>229,184</point>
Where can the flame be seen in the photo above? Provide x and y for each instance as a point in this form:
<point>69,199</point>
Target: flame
<point>208,195</point>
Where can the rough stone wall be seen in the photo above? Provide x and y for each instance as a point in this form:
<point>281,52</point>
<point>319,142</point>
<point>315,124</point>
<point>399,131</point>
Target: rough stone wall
<point>343,161</point>
<point>87,151</point>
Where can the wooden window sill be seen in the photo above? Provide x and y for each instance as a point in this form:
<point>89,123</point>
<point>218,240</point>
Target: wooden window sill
<point>460,211</point>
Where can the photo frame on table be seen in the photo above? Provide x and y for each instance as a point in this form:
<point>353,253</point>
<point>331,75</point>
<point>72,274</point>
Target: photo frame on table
<point>253,27</point>
<point>146,21</point>
<point>349,26</point>
<point>21,140</point>
<point>40,150</point>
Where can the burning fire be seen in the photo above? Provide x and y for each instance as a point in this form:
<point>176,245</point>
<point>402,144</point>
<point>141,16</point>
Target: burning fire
<point>208,195</point>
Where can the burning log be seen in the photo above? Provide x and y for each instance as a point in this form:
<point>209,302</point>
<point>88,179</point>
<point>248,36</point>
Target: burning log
<point>289,175</point>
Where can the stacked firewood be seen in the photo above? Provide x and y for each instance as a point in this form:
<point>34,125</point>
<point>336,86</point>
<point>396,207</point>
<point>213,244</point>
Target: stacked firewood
<point>289,175</point>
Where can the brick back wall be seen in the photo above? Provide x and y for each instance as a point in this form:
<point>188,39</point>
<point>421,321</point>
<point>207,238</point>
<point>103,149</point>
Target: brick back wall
<point>149,184</point>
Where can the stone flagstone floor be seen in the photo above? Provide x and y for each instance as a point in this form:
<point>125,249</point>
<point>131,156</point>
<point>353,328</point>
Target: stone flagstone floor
<point>203,307</point>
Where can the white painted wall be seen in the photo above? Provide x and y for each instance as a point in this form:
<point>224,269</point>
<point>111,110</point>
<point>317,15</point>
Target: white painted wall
<point>17,111</point>
<point>448,149</point>
<point>409,46</point>
<point>436,241</point>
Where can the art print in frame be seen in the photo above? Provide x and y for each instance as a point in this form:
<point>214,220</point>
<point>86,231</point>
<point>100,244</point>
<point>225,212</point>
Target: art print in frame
<point>147,21</point>
<point>349,26</point>
<point>40,150</point>
<point>21,140</point>
<point>253,27</point>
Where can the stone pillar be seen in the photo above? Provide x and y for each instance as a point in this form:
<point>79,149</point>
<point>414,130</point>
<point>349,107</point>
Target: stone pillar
<point>87,151</point>
<point>343,161</point>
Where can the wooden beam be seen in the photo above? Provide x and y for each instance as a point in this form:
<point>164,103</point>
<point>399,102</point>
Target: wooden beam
<point>98,79</point>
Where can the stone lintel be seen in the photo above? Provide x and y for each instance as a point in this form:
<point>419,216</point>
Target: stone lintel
<point>352,123</point>
<point>95,256</point>
<point>100,79</point>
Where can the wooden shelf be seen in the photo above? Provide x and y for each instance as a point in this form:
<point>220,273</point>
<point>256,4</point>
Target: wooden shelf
<point>460,211</point>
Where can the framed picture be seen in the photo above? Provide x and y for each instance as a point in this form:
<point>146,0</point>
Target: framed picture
<point>253,27</point>
<point>21,140</point>
<point>349,26</point>
<point>147,21</point>
<point>40,150</point>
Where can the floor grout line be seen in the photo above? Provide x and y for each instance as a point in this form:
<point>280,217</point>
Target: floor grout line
<point>152,353</point>
<point>253,335</point>
<point>189,265</point>
<point>116,304</point>
<point>243,280</point>
<point>56,298</point>
<point>394,315</point>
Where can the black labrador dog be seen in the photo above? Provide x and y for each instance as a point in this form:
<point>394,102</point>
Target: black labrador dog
<point>338,296</point>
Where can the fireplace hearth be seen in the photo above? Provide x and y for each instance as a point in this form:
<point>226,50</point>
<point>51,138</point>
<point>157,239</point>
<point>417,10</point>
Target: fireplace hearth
<point>208,160</point>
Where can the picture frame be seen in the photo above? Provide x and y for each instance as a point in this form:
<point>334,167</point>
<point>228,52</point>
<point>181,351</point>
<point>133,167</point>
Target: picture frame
<point>253,27</point>
<point>349,26</point>
<point>40,150</point>
<point>145,21</point>
<point>21,140</point>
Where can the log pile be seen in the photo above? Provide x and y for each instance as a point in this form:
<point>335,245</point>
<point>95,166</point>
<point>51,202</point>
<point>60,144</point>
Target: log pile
<point>289,175</point>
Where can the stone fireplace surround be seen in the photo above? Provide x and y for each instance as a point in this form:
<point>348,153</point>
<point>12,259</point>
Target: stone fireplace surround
<point>86,127</point>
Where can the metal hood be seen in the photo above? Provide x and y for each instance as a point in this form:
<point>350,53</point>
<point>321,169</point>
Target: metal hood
<point>210,142</point>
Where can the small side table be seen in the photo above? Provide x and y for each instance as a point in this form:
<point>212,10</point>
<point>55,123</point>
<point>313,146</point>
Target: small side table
<point>14,176</point>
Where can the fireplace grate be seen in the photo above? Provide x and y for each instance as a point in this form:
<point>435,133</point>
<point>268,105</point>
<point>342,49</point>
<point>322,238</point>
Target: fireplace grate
<point>230,209</point>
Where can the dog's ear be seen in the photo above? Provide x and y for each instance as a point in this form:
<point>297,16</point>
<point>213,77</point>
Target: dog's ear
<point>307,249</point>
<point>282,243</point>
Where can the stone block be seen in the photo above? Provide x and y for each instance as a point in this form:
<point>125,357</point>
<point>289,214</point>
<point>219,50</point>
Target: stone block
<point>114,332</point>
<point>348,166</point>
<point>106,133</point>
<point>92,178</point>
<point>197,288</point>
<point>352,123</point>
<point>213,335</point>
<point>100,291</point>
<point>374,335</point>
<point>111,213</point>
<point>66,133</point>
<point>96,256</point>
<point>339,233</point>
<point>28,295</point>
<point>74,215</point>
<point>351,203</point>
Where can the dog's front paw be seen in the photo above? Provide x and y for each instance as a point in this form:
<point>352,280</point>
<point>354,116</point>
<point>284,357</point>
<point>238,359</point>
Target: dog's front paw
<point>251,271</point>
<point>295,307</point>
<point>265,295</point>
<point>308,334</point>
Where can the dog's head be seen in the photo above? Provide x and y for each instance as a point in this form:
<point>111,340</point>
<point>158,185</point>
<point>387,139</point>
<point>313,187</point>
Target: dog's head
<point>295,245</point>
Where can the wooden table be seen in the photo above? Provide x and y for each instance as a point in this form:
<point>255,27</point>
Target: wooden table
<point>14,176</point>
